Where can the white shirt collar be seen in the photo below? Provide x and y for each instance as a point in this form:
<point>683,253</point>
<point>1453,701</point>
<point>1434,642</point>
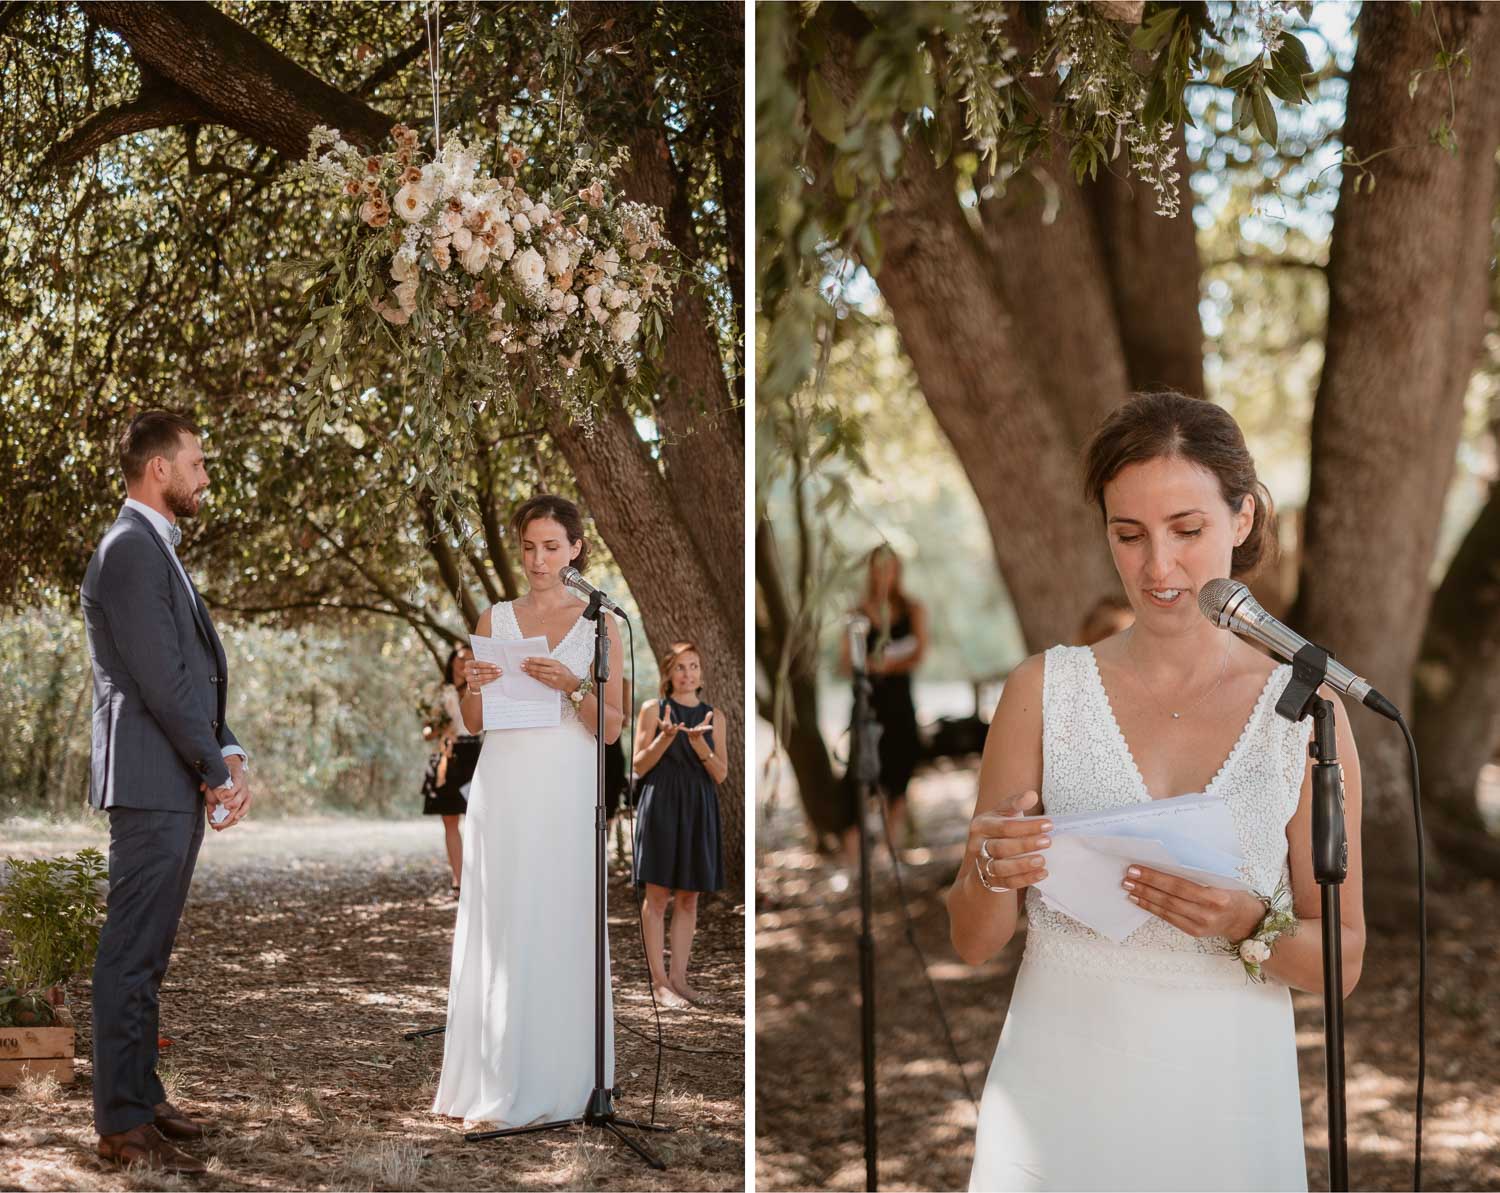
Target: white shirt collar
<point>158,520</point>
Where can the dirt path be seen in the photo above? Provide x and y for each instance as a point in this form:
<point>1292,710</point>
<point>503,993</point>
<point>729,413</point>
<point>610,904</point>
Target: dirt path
<point>308,947</point>
<point>808,1096</point>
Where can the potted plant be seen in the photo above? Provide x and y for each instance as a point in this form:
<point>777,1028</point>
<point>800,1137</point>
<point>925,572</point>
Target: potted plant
<point>50,916</point>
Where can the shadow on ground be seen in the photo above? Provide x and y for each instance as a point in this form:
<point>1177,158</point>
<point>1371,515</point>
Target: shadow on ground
<point>307,949</point>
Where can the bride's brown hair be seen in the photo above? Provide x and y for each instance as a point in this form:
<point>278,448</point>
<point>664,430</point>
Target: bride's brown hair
<point>560,510</point>
<point>1169,425</point>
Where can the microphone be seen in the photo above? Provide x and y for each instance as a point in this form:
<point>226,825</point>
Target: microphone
<point>1229,605</point>
<point>859,628</point>
<point>573,578</point>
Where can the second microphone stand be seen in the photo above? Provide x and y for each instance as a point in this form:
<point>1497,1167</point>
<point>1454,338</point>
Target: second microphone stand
<point>1330,850</point>
<point>864,774</point>
<point>600,1110</point>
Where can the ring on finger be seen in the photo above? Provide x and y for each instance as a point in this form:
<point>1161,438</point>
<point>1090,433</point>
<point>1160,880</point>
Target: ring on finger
<point>981,864</point>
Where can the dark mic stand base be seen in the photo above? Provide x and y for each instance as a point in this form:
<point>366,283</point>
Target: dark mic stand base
<point>600,1110</point>
<point>426,1031</point>
<point>1330,849</point>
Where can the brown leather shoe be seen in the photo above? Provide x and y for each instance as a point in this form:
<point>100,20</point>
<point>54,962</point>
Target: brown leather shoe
<point>172,1123</point>
<point>145,1145</point>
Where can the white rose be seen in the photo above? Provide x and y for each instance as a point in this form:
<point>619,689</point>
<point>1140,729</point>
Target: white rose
<point>505,244</point>
<point>529,268</point>
<point>462,239</point>
<point>475,257</point>
<point>392,314</point>
<point>617,298</point>
<point>557,260</point>
<point>404,266</point>
<point>412,202</point>
<point>591,297</point>
<point>1254,952</point>
<point>540,214</point>
<point>556,300</point>
<point>600,314</point>
<point>520,223</point>
<point>441,253</point>
<point>570,303</point>
<point>406,295</point>
<point>624,326</point>
<point>608,262</point>
<point>451,221</point>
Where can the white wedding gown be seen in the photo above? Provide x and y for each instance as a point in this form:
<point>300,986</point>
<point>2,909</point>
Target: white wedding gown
<point>520,1040</point>
<point>1154,1064</point>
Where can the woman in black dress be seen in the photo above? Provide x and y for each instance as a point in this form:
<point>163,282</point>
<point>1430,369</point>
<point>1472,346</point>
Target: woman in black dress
<point>445,787</point>
<point>895,646</point>
<point>678,850</point>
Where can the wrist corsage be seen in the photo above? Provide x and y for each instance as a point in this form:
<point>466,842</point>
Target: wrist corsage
<point>1278,921</point>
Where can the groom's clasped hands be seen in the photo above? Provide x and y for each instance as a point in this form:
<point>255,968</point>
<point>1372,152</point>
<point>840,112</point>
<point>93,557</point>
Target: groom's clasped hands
<point>234,797</point>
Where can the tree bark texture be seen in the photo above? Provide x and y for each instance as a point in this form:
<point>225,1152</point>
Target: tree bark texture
<point>1457,682</point>
<point>795,688</point>
<point>1408,291</point>
<point>674,585</point>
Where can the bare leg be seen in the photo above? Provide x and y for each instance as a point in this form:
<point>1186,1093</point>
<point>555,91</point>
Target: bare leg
<point>455,843</point>
<point>653,923</point>
<point>684,924</point>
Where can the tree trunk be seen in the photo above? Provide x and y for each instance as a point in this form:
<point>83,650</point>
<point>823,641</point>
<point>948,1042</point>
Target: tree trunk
<point>795,690</point>
<point>1408,274</point>
<point>1153,277</point>
<point>675,587</point>
<point>1457,686</point>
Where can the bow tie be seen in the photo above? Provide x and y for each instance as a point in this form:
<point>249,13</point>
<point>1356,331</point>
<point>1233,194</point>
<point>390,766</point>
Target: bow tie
<point>174,535</point>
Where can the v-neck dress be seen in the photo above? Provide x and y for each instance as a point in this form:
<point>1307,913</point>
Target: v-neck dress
<point>1152,1064</point>
<point>520,1040</point>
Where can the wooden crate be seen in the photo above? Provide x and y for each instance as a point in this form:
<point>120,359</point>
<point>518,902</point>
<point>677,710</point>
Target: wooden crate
<point>38,1051</point>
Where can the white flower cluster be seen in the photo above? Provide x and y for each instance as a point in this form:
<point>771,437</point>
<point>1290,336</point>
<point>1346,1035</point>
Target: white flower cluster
<point>573,274</point>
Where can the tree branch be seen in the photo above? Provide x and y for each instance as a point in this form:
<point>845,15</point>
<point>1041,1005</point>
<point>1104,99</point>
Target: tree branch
<point>159,105</point>
<point>237,78</point>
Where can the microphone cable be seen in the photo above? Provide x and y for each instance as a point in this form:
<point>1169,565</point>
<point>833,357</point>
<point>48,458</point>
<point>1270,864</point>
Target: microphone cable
<point>911,937</point>
<point>1416,807</point>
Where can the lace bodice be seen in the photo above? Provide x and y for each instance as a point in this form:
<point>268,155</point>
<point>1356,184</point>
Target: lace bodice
<point>1087,767</point>
<point>575,651</point>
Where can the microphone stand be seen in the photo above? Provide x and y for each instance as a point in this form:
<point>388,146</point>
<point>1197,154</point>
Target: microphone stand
<point>600,1110</point>
<point>1330,851</point>
<point>864,769</point>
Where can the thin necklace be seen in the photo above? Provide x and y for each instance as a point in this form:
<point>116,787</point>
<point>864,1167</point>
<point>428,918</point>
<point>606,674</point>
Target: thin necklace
<point>1176,716</point>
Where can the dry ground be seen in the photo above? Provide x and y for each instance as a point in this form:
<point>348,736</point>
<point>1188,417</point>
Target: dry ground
<point>307,948</point>
<point>808,1096</point>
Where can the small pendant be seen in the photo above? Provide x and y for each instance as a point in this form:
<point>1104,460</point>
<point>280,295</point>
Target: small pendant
<point>1176,716</point>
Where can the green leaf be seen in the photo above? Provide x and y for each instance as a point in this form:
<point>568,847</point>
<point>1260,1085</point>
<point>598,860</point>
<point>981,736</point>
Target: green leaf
<point>1265,116</point>
<point>824,109</point>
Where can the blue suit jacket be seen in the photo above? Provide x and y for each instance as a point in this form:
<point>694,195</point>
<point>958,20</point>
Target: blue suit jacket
<point>160,677</point>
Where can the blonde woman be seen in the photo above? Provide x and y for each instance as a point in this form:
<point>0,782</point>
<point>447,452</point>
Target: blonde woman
<point>678,843</point>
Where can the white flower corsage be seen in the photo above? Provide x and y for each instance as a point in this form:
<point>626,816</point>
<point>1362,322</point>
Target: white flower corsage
<point>1278,921</point>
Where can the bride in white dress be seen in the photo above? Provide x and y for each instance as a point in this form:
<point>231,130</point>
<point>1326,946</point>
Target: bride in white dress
<point>519,1045</point>
<point>1157,1063</point>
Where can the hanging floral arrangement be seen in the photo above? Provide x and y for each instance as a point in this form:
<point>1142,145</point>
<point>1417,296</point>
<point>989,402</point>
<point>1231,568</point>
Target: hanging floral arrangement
<point>483,285</point>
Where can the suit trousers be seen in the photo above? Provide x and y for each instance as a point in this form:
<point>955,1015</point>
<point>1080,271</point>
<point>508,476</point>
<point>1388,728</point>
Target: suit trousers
<point>151,859</point>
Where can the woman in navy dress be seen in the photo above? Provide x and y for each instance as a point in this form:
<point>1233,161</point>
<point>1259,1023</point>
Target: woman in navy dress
<point>678,849</point>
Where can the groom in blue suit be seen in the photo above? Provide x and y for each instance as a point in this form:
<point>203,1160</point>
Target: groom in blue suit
<point>164,763</point>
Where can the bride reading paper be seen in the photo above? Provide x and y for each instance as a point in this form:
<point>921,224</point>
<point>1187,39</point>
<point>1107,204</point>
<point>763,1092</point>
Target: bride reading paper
<point>519,1044</point>
<point>1167,1061</point>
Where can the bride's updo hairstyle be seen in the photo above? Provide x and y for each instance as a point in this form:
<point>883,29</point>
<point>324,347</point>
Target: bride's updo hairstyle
<point>560,510</point>
<point>1174,426</point>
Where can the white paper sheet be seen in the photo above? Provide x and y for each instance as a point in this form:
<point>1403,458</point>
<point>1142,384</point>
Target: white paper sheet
<point>1191,836</point>
<point>516,700</point>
